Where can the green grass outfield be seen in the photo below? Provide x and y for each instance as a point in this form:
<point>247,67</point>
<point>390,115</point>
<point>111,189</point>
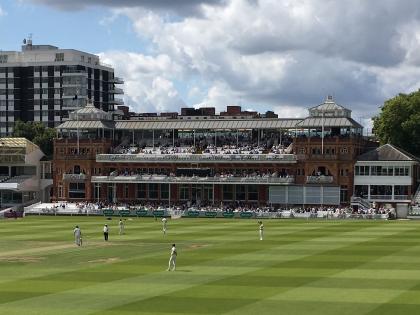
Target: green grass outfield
<point>301,267</point>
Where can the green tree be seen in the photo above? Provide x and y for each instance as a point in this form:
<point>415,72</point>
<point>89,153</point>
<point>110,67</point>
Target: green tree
<point>37,133</point>
<point>398,123</point>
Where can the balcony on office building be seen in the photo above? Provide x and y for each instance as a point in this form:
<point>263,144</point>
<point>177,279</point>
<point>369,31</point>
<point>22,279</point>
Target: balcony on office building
<point>117,80</point>
<point>116,90</point>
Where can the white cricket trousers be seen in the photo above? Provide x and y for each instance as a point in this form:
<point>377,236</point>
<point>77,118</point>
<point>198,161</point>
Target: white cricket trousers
<point>261,235</point>
<point>172,263</point>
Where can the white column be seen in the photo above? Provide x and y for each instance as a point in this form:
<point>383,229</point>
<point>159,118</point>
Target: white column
<point>237,137</point>
<point>169,196</point>
<point>114,193</point>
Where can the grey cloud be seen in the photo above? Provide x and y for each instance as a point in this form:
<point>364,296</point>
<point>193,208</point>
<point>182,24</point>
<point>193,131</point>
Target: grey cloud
<point>181,7</point>
<point>361,31</point>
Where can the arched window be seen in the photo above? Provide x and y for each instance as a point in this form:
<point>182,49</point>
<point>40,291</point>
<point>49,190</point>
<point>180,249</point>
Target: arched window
<point>76,169</point>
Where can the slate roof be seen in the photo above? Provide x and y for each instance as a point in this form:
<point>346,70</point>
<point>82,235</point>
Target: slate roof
<point>387,152</point>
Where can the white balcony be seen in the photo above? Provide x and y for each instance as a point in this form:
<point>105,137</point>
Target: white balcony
<point>322,179</point>
<point>74,177</point>
<point>211,158</point>
<point>194,180</point>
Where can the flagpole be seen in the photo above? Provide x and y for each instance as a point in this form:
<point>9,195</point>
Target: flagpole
<point>322,135</point>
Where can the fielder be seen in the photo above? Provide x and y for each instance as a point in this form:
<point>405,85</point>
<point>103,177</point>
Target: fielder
<point>164,226</point>
<point>106,232</point>
<point>172,259</point>
<point>121,226</point>
<point>261,230</point>
<point>77,236</point>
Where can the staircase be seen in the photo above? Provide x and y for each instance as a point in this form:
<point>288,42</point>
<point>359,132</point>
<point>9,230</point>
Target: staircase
<point>416,198</point>
<point>360,202</point>
<point>289,149</point>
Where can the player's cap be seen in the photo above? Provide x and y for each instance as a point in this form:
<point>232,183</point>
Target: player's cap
<point>173,244</point>
<point>77,226</point>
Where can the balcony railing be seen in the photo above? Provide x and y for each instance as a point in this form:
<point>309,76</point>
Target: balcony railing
<point>74,177</point>
<point>322,179</point>
<point>117,80</point>
<point>117,101</point>
<point>174,158</point>
<point>402,197</point>
<point>380,197</point>
<point>186,180</point>
<point>74,73</point>
<point>116,91</point>
<point>389,197</point>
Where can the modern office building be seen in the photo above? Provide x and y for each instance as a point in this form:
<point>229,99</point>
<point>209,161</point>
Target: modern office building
<point>212,160</point>
<point>43,83</point>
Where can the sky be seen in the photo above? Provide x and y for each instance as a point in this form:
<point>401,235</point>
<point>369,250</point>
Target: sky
<point>280,55</point>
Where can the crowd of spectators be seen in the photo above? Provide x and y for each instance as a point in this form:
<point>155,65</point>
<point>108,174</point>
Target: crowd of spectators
<point>224,144</point>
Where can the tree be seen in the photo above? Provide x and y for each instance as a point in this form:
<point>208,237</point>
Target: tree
<point>37,133</point>
<point>398,123</point>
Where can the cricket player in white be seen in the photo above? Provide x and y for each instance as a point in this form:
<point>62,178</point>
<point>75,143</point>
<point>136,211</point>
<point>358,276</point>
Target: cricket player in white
<point>121,226</point>
<point>106,232</point>
<point>172,259</point>
<point>261,230</point>
<point>164,225</point>
<point>77,236</point>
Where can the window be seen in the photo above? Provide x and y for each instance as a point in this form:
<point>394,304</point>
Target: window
<point>76,169</point>
<point>387,171</point>
<point>125,190</point>
<point>344,150</point>
<point>60,191</point>
<point>252,193</point>
<point>141,191</point>
<point>240,192</point>
<point>59,57</point>
<point>344,172</point>
<point>227,192</point>
<point>361,191</point>
<point>401,171</point>
<point>153,191</point>
<point>164,191</point>
<point>362,170</point>
<point>380,191</point>
<point>77,190</point>
<point>3,58</point>
<point>344,194</point>
<point>184,192</point>
<point>401,190</point>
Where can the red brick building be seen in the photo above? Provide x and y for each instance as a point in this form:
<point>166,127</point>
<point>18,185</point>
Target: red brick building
<point>209,160</point>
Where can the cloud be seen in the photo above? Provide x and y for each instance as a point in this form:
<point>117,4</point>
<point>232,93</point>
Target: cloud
<point>181,7</point>
<point>2,12</point>
<point>285,55</point>
<point>148,86</point>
